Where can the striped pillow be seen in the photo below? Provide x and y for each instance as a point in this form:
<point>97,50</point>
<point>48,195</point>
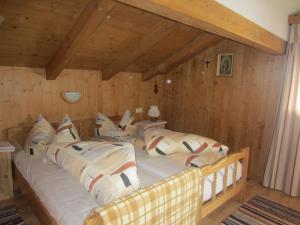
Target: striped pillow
<point>66,132</point>
<point>41,133</point>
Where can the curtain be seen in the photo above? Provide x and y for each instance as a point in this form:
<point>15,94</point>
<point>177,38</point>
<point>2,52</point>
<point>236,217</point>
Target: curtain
<point>283,165</point>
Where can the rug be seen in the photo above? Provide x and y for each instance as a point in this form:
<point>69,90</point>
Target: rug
<point>261,211</point>
<point>9,216</point>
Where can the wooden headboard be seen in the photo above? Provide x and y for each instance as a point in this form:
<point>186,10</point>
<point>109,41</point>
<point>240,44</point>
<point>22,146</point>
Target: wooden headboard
<point>85,127</point>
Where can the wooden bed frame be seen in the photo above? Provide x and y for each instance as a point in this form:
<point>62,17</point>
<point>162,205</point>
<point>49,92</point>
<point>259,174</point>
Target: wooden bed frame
<point>238,187</point>
<point>85,128</point>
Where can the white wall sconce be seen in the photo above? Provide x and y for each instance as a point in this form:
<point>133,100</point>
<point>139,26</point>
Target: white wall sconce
<point>71,96</point>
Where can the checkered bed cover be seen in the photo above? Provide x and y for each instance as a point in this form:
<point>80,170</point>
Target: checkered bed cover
<point>174,200</point>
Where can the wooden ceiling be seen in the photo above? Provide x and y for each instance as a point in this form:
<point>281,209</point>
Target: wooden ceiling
<point>94,34</point>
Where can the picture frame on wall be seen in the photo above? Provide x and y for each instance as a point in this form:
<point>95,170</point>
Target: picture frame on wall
<point>225,64</point>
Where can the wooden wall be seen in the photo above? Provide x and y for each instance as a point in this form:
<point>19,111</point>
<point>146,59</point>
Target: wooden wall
<point>237,111</point>
<point>24,93</point>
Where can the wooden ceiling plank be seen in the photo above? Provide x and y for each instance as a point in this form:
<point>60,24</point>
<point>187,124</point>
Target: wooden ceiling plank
<point>91,17</point>
<point>199,44</point>
<point>138,47</point>
<point>294,18</point>
<point>215,18</point>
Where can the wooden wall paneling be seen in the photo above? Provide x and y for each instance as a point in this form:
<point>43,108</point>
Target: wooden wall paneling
<point>128,91</point>
<point>200,43</point>
<point>121,93</point>
<point>138,47</point>
<point>91,17</point>
<point>225,94</point>
<point>213,17</point>
<point>33,30</point>
<point>162,50</point>
<point>25,93</point>
<point>124,26</point>
<point>237,111</point>
<point>148,97</point>
<point>262,95</point>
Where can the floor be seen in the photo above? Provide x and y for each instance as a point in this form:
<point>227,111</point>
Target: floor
<point>253,188</point>
<point>213,219</point>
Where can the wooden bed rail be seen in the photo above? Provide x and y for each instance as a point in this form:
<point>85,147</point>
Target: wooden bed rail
<point>238,186</point>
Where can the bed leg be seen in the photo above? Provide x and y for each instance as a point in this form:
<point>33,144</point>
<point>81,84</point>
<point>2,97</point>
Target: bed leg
<point>243,193</point>
<point>242,196</point>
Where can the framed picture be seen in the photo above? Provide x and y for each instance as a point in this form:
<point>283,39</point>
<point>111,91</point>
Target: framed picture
<point>225,64</point>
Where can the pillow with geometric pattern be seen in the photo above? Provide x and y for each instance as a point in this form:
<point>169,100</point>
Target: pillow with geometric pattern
<point>41,133</point>
<point>66,132</point>
<point>128,125</point>
<point>165,142</point>
<point>127,120</point>
<point>104,125</point>
<point>124,131</point>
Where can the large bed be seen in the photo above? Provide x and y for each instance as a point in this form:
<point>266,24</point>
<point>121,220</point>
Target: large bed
<point>59,199</point>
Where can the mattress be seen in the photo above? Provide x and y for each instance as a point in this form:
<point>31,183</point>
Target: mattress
<point>164,167</point>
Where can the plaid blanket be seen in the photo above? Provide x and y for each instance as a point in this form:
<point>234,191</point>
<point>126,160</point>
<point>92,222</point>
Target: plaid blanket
<point>174,200</point>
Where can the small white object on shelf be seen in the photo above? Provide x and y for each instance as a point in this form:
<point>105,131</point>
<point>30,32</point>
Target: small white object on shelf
<point>5,146</point>
<point>154,113</point>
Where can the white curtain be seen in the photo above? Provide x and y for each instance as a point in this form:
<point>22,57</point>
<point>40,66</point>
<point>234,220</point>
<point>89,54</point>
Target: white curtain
<point>283,166</point>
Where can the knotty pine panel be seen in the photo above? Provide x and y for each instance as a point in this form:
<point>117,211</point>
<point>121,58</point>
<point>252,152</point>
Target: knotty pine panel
<point>237,111</point>
<point>24,93</point>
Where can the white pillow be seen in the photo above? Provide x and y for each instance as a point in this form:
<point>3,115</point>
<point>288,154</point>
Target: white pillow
<point>66,132</point>
<point>41,133</point>
<point>104,125</point>
<point>127,120</point>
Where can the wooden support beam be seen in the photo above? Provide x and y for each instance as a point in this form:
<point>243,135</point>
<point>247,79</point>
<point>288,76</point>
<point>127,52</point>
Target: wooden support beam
<point>215,18</point>
<point>294,18</point>
<point>138,47</point>
<point>91,17</point>
<point>199,44</point>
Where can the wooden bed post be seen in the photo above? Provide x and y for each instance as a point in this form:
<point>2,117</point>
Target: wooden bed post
<point>245,174</point>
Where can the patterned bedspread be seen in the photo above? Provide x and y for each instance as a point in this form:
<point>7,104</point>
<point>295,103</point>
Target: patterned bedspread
<point>107,169</point>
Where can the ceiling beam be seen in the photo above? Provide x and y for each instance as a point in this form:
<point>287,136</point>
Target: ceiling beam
<point>294,18</point>
<point>90,18</point>
<point>213,17</point>
<point>138,47</point>
<point>199,44</point>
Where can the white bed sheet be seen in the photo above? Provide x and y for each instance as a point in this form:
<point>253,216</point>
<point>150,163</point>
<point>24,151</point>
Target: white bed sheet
<point>63,196</point>
<point>163,167</point>
<point>65,199</point>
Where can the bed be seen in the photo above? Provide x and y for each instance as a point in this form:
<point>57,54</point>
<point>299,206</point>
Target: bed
<point>223,180</point>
